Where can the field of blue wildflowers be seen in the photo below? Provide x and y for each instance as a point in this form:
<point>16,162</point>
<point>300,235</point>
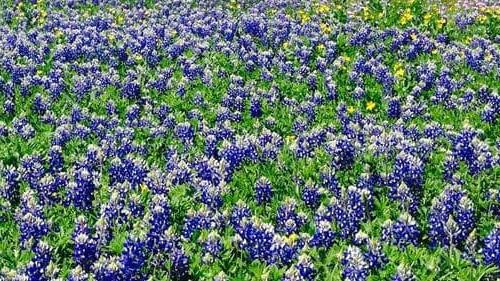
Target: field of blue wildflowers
<point>289,140</point>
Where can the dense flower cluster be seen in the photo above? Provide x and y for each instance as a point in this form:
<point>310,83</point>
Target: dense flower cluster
<point>451,218</point>
<point>240,140</point>
<point>402,232</point>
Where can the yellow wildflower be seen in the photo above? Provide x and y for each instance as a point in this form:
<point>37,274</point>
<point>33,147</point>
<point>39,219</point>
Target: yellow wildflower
<point>234,4</point>
<point>440,23</point>
<point>119,19</point>
<point>406,17</point>
<point>370,105</point>
<point>138,58</point>
<point>399,70</point>
<point>325,28</point>
<point>413,36</point>
<point>111,37</point>
<point>427,18</point>
<point>304,17</point>
<point>323,9</point>
<point>292,238</point>
<point>399,73</point>
<point>350,109</point>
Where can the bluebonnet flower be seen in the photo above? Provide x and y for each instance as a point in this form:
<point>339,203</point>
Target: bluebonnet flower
<point>493,197</point>
<point>263,190</point>
<point>311,195</point>
<point>373,253</point>
<point>108,268</point>
<point>306,143</point>
<point>32,170</point>
<point>255,107</point>
<point>211,149</point>
<point>37,267</point>
<point>135,206</point>
<point>131,169</point>
<point>239,213</point>
<point>343,152</point>
<point>257,240</point>
<point>300,125</point>
<point>235,153</point>
<point>131,90</point>
<point>157,182</point>
<point>81,189</point>
<point>114,211</point>
<point>180,265</point>
<point>451,218</point>
<point>133,258</point>
<point>158,219</point>
<point>354,265</point>
<point>9,106</point>
<point>4,130</point>
<point>48,187</point>
<point>211,195</point>
<point>490,114</point>
<point>410,169</point>
<point>394,108</point>
<point>305,268</point>
<point>491,249</point>
<point>31,220</point>
<point>350,211</point>
<point>209,170</point>
<point>358,93</point>
<point>85,250</point>
<point>473,151</point>
<point>323,236</point>
<point>402,232</point>
<point>185,132</point>
<point>294,273</point>
<point>9,184</point>
<point>56,160</point>
<point>462,20</point>
<point>40,105</point>
<point>329,181</point>
<point>199,100</point>
<point>288,220</point>
<point>200,219</point>
<point>407,198</point>
<point>103,233</point>
<point>212,246</point>
<point>289,247</point>
<point>269,145</point>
